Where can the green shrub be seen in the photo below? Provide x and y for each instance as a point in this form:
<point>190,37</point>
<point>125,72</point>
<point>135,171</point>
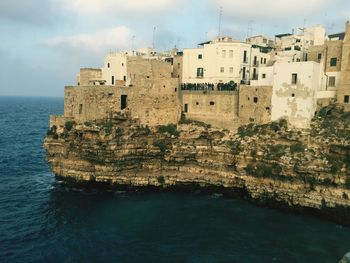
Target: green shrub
<point>161,179</point>
<point>170,129</point>
<point>69,125</point>
<point>235,147</point>
<point>276,151</point>
<point>297,148</point>
<point>163,145</point>
<point>108,126</point>
<point>119,131</point>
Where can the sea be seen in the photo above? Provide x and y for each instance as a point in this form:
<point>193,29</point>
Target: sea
<point>44,219</point>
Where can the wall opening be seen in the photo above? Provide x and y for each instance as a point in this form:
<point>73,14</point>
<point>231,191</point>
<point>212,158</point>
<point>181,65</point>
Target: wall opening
<point>112,80</point>
<point>294,78</point>
<point>346,99</point>
<point>211,103</point>
<point>333,62</point>
<point>186,108</point>
<point>123,101</point>
<point>124,78</point>
<point>255,99</point>
<point>80,108</point>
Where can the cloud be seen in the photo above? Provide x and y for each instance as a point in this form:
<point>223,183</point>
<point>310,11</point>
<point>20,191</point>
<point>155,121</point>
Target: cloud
<point>121,7</point>
<point>111,38</point>
<point>276,10</point>
<point>29,11</point>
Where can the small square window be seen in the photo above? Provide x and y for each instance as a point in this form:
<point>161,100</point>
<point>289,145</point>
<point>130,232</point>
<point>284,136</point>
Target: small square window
<point>255,99</point>
<point>346,99</point>
<point>212,103</point>
<point>263,76</point>
<point>333,62</point>
<point>197,103</point>
<point>319,56</point>
<point>222,69</point>
<point>200,56</point>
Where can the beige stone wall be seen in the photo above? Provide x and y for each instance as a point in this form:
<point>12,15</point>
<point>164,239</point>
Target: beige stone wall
<point>218,108</point>
<point>88,74</point>
<point>83,103</point>
<point>255,104</point>
<point>344,84</point>
<point>154,99</point>
<point>152,96</point>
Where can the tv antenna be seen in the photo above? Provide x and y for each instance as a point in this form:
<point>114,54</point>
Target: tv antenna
<point>220,18</point>
<point>154,33</point>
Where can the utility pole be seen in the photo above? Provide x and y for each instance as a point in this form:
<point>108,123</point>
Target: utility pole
<point>154,33</point>
<point>220,17</point>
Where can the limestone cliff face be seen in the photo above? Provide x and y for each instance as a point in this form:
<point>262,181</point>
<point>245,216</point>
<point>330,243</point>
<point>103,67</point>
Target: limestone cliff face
<point>306,169</point>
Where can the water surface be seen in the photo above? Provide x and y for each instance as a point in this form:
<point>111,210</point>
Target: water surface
<point>45,220</point>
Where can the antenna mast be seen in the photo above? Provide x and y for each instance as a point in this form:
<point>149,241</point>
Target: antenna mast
<point>220,17</point>
<point>154,33</point>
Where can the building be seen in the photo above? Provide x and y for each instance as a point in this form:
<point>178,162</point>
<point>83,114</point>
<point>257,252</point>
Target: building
<point>221,61</point>
<point>151,97</point>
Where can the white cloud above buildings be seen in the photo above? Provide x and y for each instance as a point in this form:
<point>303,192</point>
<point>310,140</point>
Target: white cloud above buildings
<point>111,38</point>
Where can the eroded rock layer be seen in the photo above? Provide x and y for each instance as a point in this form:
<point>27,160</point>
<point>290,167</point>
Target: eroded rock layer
<point>303,169</point>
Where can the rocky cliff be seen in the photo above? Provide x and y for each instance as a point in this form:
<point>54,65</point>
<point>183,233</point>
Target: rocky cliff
<point>304,169</point>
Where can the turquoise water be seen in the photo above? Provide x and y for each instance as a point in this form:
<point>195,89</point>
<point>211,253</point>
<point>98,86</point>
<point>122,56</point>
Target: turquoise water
<point>45,220</point>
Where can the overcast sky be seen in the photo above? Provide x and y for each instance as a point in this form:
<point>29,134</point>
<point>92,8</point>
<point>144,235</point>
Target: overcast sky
<point>43,43</point>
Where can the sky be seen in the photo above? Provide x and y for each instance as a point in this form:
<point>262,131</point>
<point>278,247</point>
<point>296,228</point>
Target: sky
<point>43,43</point>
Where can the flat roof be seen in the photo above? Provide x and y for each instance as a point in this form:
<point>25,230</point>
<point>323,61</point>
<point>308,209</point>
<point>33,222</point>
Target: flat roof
<point>283,35</point>
<point>341,35</point>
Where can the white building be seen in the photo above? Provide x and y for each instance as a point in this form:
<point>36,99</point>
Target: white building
<point>260,41</point>
<point>221,61</point>
<point>295,88</point>
<point>294,47</point>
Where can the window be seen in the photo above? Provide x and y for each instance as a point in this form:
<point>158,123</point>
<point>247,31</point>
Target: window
<point>288,48</point>
<point>294,78</point>
<point>333,62</point>
<point>245,56</point>
<point>319,56</point>
<point>80,108</point>
<point>243,73</point>
<point>124,78</point>
<point>122,64</point>
<point>255,100</point>
<point>231,69</point>
<point>200,72</point>
<point>255,60</point>
<point>123,101</point>
<point>186,108</point>
<point>222,69</point>
<point>263,76</point>
<point>108,65</point>
<point>346,99</point>
<point>200,56</point>
<point>197,103</point>
<point>261,60</point>
<point>112,80</point>
<point>331,81</point>
<point>175,89</point>
<point>211,103</point>
<point>264,60</point>
<point>293,95</point>
<point>223,52</point>
<point>231,53</point>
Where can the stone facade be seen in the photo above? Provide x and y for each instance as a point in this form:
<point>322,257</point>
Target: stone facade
<point>218,108</point>
<point>151,97</point>
<point>88,75</point>
<point>343,96</point>
<point>255,104</point>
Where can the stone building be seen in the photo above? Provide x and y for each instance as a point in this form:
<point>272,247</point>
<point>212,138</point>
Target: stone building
<point>223,60</point>
<point>151,96</point>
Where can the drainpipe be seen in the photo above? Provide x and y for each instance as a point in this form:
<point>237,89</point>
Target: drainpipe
<point>325,66</point>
